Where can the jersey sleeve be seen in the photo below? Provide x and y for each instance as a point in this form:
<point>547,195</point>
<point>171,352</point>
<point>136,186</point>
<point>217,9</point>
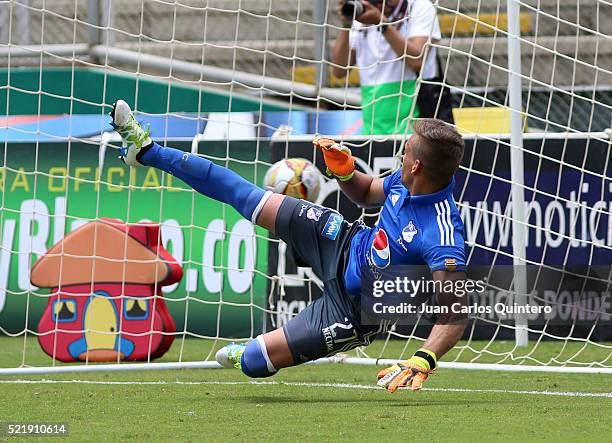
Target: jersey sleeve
<point>444,244</point>
<point>423,21</point>
<point>391,180</point>
<point>445,258</point>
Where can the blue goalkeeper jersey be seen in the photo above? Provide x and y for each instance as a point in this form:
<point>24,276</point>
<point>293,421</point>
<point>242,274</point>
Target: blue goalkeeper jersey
<point>411,230</point>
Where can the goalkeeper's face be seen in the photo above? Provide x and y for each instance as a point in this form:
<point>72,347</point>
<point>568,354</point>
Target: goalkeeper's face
<point>428,164</point>
<point>432,155</point>
<point>409,166</point>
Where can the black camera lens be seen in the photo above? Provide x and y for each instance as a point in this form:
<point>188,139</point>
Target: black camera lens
<point>352,8</point>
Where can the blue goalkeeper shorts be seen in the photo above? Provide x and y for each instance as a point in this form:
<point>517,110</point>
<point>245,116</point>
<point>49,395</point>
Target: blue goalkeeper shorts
<point>320,238</point>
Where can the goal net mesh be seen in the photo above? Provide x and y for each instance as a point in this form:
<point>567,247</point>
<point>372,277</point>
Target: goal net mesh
<point>234,73</point>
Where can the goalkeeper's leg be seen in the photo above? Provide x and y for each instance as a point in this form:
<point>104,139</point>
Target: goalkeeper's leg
<point>209,179</point>
<point>327,326</point>
<point>268,353</point>
<point>317,234</point>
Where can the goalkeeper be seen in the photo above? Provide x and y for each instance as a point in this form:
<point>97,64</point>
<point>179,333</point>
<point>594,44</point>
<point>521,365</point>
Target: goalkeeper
<point>419,224</point>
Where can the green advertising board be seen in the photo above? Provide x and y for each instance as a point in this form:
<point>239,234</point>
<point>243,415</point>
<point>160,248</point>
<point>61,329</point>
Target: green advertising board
<point>49,189</point>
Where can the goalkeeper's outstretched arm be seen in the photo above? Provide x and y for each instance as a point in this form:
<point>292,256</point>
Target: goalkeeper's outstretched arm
<point>362,189</point>
<point>449,326</point>
<point>443,337</point>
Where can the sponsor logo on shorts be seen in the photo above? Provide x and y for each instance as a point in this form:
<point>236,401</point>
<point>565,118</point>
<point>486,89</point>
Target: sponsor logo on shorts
<point>380,252</point>
<point>332,226</point>
<point>314,213</point>
<point>338,333</point>
<point>302,209</point>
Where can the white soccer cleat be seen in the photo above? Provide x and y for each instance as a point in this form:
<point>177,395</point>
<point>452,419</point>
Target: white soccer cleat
<point>230,356</point>
<point>132,134</point>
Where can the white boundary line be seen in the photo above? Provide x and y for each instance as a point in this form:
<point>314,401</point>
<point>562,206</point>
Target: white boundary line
<point>310,385</point>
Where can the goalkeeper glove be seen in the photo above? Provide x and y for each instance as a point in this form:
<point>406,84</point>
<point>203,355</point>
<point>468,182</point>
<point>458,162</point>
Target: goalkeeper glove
<point>338,159</point>
<point>412,372</point>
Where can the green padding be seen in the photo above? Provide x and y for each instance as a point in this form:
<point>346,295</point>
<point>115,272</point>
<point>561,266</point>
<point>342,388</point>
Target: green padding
<point>82,91</point>
<point>386,106</point>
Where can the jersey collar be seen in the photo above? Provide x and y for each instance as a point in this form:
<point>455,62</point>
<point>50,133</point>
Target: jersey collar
<point>433,198</point>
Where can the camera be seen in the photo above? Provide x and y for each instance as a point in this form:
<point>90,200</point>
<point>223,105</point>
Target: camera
<point>354,8</point>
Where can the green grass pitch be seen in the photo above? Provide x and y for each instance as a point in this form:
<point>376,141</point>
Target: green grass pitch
<point>313,402</point>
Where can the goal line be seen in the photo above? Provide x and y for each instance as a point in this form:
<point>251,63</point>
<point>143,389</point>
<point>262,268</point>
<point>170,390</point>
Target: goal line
<point>335,359</point>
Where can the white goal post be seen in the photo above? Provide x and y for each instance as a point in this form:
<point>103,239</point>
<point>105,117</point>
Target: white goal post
<point>532,88</point>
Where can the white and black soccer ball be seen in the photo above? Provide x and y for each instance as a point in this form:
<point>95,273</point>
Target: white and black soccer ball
<point>295,177</point>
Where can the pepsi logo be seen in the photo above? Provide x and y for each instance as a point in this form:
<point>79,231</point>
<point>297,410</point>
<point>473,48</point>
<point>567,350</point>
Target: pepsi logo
<point>379,251</point>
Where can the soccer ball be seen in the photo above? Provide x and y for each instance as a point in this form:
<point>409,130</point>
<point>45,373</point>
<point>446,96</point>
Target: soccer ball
<point>295,177</point>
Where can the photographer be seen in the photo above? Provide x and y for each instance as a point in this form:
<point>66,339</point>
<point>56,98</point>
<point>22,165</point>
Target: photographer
<point>387,41</point>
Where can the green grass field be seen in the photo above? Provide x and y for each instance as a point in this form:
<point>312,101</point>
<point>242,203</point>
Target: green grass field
<point>315,402</point>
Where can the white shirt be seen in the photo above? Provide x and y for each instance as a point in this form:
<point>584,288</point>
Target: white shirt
<point>377,61</point>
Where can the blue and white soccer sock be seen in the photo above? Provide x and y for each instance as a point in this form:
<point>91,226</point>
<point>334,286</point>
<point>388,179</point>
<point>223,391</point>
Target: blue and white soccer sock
<point>255,362</point>
<point>207,178</point>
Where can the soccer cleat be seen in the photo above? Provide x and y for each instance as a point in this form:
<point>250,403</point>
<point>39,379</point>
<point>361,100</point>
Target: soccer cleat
<point>229,356</point>
<point>132,134</point>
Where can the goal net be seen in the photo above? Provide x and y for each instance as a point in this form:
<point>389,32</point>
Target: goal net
<point>248,83</point>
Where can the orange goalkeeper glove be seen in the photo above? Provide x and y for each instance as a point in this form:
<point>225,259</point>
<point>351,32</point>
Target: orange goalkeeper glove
<point>338,159</point>
<point>412,372</point>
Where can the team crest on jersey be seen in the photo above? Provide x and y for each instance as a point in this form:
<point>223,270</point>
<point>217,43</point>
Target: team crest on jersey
<point>332,226</point>
<point>314,213</point>
<point>379,251</point>
<point>409,232</point>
